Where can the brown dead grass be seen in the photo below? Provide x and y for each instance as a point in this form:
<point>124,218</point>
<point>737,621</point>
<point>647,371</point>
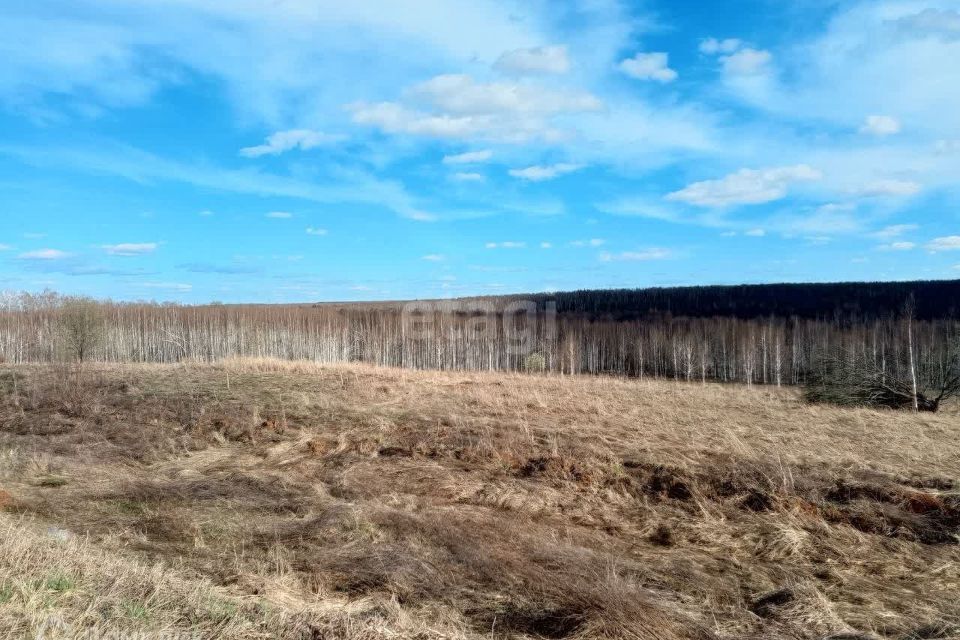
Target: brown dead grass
<point>352,501</point>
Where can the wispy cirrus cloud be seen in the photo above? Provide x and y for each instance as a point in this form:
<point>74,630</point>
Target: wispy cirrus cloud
<point>283,141</point>
<point>535,60</point>
<point>130,249</point>
<point>45,255</point>
<point>469,157</point>
<point>540,173</point>
<point>944,243</point>
<point>643,255</point>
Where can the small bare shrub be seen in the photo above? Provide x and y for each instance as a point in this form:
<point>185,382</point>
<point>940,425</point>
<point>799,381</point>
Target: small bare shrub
<point>82,328</point>
<point>857,381</point>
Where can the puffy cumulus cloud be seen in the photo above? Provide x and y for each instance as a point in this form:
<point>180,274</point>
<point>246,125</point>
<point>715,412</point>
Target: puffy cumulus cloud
<point>713,46</point>
<point>945,243</point>
<point>129,249</point>
<point>282,141</point>
<point>548,59</point>
<point>462,108</point>
<point>539,173</point>
<point>653,253</point>
<point>392,117</point>
<point>877,125</point>
<point>747,186</point>
<point>649,66</point>
<point>469,157</point>
<point>746,62</point>
<point>881,188</point>
<point>738,60</point>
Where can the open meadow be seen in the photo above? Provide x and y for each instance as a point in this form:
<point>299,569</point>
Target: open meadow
<point>258,498</point>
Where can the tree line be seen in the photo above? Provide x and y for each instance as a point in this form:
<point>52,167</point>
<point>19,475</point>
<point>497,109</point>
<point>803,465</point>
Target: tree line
<point>495,334</point>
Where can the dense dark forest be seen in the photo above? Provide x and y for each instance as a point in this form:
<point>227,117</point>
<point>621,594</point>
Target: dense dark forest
<point>844,301</point>
<point>848,302</point>
<point>765,334</point>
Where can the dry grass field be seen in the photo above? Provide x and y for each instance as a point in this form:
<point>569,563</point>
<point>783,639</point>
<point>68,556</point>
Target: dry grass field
<point>258,499</point>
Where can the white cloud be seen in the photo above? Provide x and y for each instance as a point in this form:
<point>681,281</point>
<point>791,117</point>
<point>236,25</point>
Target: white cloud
<point>281,141</point>
<point>275,61</point>
<point>206,213</point>
<point>130,248</point>
<point>747,186</point>
<point>546,245</point>
<point>944,23</point>
<point>45,254</point>
<point>458,107</point>
<point>469,157</point>
<point>539,173</point>
<point>550,59</point>
<point>897,246</point>
<point>179,287</point>
<point>139,166</point>
<point>434,257</point>
<point>5,247</point>
<point>876,125</point>
<point>464,176</point>
<point>506,245</point>
<point>890,188</point>
<point>893,231</point>
<point>755,233</point>
<point>280,215</point>
<point>746,62</point>
<point>421,216</point>
<point>713,46</point>
<point>641,206</point>
<point>655,253</point>
<point>461,94</point>
<point>945,243</point>
<point>593,242</point>
<point>316,231</point>
<point>394,118</point>
<point>649,66</point>
<point>947,146</point>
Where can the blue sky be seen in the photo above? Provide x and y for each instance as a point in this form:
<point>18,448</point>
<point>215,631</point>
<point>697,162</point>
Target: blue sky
<point>298,150</point>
